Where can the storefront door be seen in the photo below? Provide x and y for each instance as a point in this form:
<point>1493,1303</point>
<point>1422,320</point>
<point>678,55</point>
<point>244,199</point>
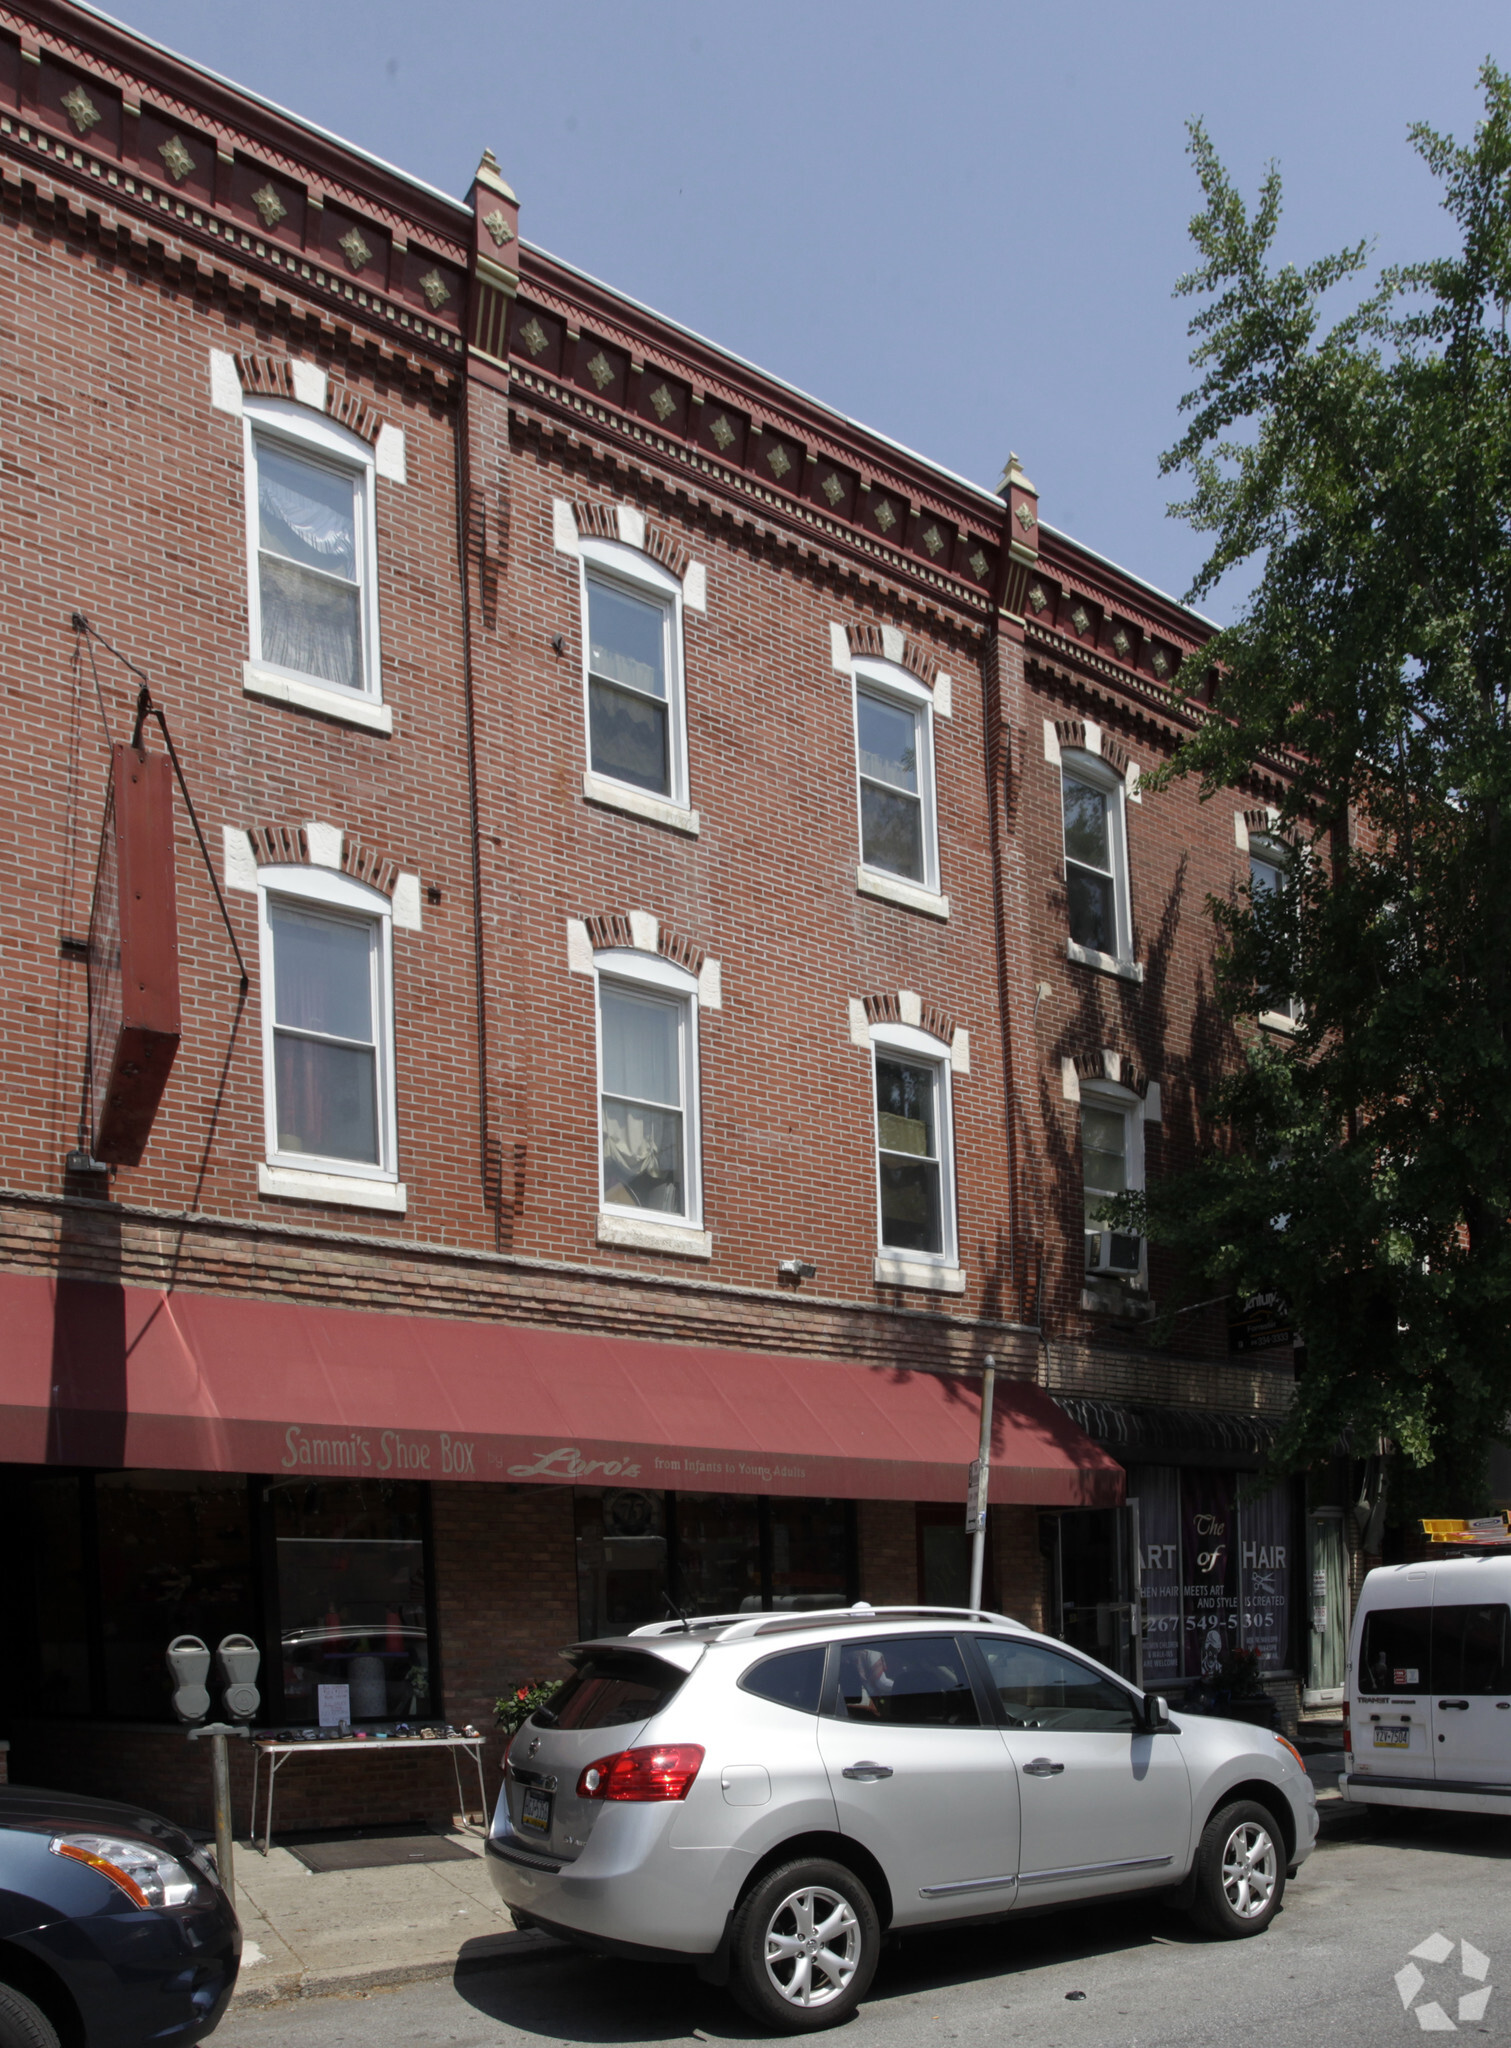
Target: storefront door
<point>1328,1577</point>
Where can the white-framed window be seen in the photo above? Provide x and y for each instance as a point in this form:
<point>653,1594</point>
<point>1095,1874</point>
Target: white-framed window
<point>327,1025</point>
<point>632,672</point>
<point>1271,886</point>
<point>311,555</point>
<point>894,761</point>
<point>1112,1164</point>
<point>915,1166</point>
<point>648,1138</point>
<point>1094,809</point>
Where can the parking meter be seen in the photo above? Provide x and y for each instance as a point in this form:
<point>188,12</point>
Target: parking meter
<point>189,1667</point>
<point>238,1659</point>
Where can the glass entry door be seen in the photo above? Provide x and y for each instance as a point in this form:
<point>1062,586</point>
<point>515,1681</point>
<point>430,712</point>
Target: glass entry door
<point>1327,1564</point>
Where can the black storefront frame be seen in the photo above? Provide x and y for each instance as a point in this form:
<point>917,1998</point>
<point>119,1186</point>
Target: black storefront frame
<point>263,1551</point>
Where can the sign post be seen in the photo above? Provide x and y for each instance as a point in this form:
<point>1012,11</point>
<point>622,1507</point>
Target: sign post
<point>980,1484</point>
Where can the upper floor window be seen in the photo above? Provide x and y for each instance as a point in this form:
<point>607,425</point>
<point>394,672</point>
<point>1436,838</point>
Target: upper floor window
<point>1096,857</point>
<point>895,764</point>
<point>1272,892</point>
<point>636,733</point>
<point>648,1087</point>
<point>1112,1164</point>
<point>914,1153</point>
<point>312,587</point>
<point>327,976</point>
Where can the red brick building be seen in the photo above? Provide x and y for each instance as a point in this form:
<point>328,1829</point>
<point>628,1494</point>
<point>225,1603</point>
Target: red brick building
<point>708,954</point>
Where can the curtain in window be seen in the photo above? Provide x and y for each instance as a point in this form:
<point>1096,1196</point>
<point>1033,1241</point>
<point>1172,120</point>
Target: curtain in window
<point>307,568</point>
<point>642,1101</point>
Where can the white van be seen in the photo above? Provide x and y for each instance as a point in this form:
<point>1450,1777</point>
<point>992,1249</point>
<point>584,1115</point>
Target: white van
<point>1427,1710</point>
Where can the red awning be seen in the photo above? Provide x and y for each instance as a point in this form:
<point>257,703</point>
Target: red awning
<point>95,1374</point>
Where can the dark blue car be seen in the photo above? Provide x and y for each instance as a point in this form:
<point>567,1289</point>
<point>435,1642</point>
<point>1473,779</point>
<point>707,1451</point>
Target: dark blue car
<point>114,1930</point>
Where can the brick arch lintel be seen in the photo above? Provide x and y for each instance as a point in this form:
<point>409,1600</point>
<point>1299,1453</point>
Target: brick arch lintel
<point>1119,1070</point>
<point>887,1009</point>
<point>870,640</point>
<point>601,522</point>
<point>273,377</point>
<point>610,931</point>
<point>1071,732</point>
<point>288,846</point>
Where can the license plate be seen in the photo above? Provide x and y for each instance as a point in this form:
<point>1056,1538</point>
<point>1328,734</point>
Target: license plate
<point>1388,1738</point>
<point>535,1814</point>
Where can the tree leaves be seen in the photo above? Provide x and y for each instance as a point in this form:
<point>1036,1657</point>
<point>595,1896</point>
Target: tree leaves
<point>1366,466</point>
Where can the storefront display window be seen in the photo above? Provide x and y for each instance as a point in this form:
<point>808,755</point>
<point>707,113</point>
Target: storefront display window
<point>175,1558</point>
<point>52,1575</point>
<point>352,1606</point>
<point>621,1560</point>
<point>1216,1567</point>
<point>718,1552</point>
<point>643,1556</point>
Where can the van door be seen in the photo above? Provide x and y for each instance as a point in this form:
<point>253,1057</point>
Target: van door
<point>1471,1692</point>
<point>1392,1721</point>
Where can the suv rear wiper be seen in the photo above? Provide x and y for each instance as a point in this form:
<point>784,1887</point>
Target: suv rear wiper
<point>543,1717</point>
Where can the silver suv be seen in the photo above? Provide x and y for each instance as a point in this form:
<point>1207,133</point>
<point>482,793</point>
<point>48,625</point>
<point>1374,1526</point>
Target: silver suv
<point>765,1796</point>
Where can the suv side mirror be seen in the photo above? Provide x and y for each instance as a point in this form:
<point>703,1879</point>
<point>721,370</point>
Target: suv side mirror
<point>1156,1713</point>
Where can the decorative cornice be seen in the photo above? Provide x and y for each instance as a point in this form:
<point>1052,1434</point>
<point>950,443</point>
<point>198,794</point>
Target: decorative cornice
<point>141,136</point>
<point>588,354</point>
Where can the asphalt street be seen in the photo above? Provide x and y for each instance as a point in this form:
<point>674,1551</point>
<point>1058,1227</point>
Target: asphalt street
<point>1371,1894</point>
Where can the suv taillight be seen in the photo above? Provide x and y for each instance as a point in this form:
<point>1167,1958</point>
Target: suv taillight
<point>1348,1731</point>
<point>661,1771</point>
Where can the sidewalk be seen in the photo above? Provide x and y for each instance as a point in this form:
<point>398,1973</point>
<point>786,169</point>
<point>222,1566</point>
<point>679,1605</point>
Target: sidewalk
<point>311,1936</point>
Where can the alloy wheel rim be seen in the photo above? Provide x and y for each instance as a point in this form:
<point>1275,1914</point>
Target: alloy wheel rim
<point>812,1946</point>
<point>1250,1867</point>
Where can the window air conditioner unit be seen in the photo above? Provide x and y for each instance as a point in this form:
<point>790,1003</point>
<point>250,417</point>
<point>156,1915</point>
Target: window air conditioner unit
<point>1111,1251</point>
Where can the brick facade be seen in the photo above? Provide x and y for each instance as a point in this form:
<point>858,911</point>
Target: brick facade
<point>512,405</point>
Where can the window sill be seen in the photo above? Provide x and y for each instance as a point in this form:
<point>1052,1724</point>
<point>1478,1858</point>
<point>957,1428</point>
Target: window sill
<point>1088,956</point>
<point>1276,1020</point>
<point>893,889</point>
<point>638,1232</point>
<point>346,1190</point>
<point>639,803</point>
<point>346,706</point>
<point>889,1272</point>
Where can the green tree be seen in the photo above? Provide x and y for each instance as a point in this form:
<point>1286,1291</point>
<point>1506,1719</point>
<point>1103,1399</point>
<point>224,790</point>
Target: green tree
<point>1363,1167</point>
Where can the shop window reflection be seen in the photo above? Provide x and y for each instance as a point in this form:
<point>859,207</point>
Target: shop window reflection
<point>352,1596</point>
<point>621,1560</point>
<point>175,1551</point>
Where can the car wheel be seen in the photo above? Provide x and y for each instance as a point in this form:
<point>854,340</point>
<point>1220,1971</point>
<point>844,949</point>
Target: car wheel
<point>804,1946</point>
<point>22,2024</point>
<point>1240,1871</point>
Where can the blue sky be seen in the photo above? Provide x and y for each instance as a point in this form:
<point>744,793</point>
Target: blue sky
<point>959,223</point>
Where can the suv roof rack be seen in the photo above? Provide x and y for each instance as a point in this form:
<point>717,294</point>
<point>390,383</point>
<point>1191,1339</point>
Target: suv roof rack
<point>763,1622</point>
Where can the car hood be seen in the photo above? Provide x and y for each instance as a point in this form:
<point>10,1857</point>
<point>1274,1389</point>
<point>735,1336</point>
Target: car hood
<point>45,1812</point>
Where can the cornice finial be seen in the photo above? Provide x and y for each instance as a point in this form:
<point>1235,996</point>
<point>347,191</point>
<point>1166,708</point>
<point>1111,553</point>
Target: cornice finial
<point>1013,475</point>
<point>488,173</point>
